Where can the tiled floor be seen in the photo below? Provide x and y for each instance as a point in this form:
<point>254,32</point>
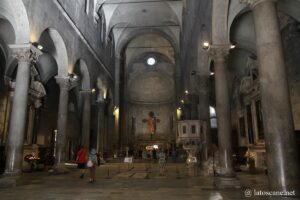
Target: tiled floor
<point>119,181</point>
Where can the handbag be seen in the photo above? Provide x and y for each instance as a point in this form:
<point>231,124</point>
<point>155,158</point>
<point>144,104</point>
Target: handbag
<point>89,163</point>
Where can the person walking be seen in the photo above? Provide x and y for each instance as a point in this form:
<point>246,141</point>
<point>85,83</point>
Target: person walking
<point>81,160</point>
<point>161,162</point>
<point>92,164</point>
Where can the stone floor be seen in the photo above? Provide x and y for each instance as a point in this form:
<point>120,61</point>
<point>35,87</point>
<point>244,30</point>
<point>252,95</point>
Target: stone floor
<point>122,181</point>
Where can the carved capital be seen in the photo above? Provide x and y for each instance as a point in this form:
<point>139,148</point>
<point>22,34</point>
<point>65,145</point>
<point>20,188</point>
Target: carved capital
<point>218,52</point>
<point>25,52</point>
<point>86,94</point>
<point>253,3</point>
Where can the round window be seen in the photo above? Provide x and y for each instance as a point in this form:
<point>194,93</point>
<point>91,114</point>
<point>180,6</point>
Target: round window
<point>151,61</point>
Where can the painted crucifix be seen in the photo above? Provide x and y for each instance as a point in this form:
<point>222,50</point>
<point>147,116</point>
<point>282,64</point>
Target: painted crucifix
<point>151,122</point>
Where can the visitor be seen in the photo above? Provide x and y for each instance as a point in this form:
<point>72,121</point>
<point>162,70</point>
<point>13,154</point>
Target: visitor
<point>92,164</point>
<point>174,154</point>
<point>161,162</point>
<point>154,154</point>
<point>145,155</point>
<point>81,160</point>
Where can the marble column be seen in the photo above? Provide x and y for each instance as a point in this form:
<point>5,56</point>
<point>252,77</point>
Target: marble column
<point>86,118</point>
<point>62,118</point>
<point>282,158</point>
<point>25,55</point>
<point>223,110</point>
<point>226,176</point>
<point>203,113</point>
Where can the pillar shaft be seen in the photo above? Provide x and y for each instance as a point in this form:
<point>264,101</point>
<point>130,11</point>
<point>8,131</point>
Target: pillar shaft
<point>60,152</point>
<point>223,111</point>
<point>194,109</point>
<point>187,111</point>
<point>283,166</point>
<point>86,118</point>
<point>100,131</point>
<point>203,113</point>
<point>18,115</point>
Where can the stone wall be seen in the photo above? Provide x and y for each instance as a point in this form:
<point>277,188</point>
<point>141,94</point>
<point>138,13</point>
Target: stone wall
<point>78,31</point>
<point>163,113</point>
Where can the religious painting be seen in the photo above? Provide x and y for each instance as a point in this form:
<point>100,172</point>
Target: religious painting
<point>151,122</point>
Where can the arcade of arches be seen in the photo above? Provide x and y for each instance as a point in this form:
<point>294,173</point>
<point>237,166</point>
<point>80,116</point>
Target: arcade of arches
<point>214,84</point>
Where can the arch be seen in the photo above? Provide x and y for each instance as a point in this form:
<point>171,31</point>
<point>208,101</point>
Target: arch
<point>15,12</point>
<point>101,89</point>
<point>242,32</point>
<point>81,69</point>
<point>53,43</point>
<point>154,42</point>
<point>157,55</point>
<point>219,22</point>
<point>47,67</point>
<point>127,37</point>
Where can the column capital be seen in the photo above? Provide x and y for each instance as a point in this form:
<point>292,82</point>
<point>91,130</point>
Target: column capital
<point>83,92</point>
<point>25,52</point>
<point>86,94</point>
<point>219,51</point>
<point>63,82</point>
<point>253,3</point>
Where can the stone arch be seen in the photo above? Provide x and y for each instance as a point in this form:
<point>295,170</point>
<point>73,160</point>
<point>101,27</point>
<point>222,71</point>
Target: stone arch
<point>53,43</point>
<point>7,36</point>
<point>159,55</point>
<point>15,13</point>
<point>101,88</point>
<point>81,69</point>
<point>126,38</point>
<point>219,22</point>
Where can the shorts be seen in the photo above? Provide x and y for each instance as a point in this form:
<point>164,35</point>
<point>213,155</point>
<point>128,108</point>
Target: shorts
<point>81,165</point>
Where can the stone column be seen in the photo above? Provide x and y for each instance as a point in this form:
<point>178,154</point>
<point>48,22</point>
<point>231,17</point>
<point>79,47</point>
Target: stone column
<point>194,107</point>
<point>186,111</point>
<point>282,159</point>
<point>100,127</point>
<point>24,53</point>
<point>62,117</point>
<point>223,110</point>
<point>226,172</point>
<point>86,118</point>
<point>203,113</point>
<point>9,102</point>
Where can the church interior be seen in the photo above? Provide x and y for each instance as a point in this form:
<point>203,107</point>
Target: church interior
<point>213,85</point>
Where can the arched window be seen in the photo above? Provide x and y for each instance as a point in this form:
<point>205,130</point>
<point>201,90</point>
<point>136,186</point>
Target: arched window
<point>213,117</point>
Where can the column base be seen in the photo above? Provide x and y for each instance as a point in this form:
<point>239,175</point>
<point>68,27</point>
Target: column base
<point>15,174</point>
<point>10,180</point>
<point>223,182</point>
<point>58,170</point>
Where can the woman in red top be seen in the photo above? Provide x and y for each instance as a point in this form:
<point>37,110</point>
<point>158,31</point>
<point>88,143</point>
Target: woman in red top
<point>81,160</point>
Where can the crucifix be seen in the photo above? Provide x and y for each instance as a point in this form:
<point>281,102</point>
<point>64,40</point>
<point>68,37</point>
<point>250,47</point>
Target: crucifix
<point>151,122</point>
